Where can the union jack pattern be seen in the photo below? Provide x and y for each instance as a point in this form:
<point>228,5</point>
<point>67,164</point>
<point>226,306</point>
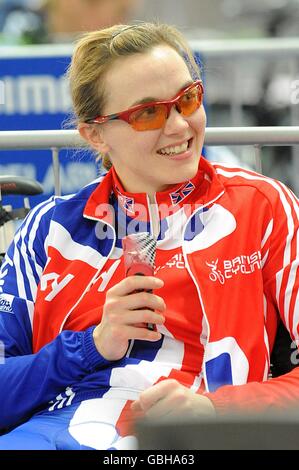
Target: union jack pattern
<point>58,270</point>
<point>127,203</point>
<point>180,194</point>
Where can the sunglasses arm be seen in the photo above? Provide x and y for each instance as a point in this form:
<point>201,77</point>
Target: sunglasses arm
<point>102,119</point>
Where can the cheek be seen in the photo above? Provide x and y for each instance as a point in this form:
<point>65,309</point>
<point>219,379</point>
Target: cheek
<point>200,121</point>
<point>132,147</point>
<point>145,143</point>
<point>118,138</point>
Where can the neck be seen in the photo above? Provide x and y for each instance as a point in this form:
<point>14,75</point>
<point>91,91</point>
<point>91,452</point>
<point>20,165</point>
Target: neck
<point>134,186</point>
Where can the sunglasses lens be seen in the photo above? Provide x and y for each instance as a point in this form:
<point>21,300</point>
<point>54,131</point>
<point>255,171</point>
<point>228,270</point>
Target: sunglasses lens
<point>190,101</point>
<point>149,118</point>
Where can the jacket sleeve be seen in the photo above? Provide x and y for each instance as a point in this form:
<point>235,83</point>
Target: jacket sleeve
<point>281,292</point>
<point>279,394</point>
<point>29,381</point>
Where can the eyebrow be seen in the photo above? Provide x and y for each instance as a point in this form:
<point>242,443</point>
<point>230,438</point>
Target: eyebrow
<point>150,99</point>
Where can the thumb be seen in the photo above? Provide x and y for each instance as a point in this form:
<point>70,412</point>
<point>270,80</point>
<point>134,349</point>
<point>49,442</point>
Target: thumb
<point>136,406</point>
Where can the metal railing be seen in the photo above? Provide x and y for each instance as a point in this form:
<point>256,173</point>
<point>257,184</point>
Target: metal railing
<point>229,51</point>
<point>260,47</point>
<point>56,140</point>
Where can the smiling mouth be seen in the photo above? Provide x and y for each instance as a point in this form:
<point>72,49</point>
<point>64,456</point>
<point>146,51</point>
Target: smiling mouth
<point>176,149</point>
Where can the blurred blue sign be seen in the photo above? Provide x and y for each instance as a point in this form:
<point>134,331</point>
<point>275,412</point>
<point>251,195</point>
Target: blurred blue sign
<point>34,96</point>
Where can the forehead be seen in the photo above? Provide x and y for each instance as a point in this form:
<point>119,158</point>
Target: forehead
<point>159,73</point>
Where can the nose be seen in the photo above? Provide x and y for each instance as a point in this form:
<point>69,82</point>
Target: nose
<point>175,123</point>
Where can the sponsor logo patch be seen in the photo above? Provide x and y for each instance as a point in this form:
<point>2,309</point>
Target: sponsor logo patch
<point>229,268</point>
<point>6,303</point>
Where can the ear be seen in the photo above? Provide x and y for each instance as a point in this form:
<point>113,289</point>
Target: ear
<point>93,136</point>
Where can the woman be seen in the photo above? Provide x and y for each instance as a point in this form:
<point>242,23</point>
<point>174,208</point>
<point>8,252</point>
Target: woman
<point>75,331</point>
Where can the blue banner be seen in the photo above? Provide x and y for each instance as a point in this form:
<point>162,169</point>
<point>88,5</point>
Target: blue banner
<point>34,95</point>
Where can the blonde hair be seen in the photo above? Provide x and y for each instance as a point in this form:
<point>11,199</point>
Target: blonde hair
<point>96,51</point>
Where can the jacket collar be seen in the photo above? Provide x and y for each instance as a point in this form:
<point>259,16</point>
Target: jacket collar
<point>204,187</point>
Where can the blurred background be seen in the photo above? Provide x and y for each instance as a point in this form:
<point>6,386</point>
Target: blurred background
<point>248,51</point>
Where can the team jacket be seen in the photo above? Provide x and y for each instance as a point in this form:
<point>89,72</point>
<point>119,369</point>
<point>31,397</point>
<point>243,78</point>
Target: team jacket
<point>228,253</point>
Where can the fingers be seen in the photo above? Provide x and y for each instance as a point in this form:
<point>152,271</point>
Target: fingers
<point>130,302</point>
<point>142,334</point>
<point>163,407</point>
<point>133,283</point>
<point>169,397</point>
<point>141,316</point>
<point>138,318</point>
<point>127,314</point>
<point>141,300</point>
<point>150,397</point>
<point>136,406</point>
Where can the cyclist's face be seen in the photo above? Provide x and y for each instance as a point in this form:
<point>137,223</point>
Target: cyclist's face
<point>151,160</point>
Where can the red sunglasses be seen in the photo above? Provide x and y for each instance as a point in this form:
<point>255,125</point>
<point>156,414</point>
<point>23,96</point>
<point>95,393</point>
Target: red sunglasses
<point>153,115</point>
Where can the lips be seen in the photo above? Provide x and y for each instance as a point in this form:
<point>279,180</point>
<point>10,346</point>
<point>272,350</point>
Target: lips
<point>176,149</point>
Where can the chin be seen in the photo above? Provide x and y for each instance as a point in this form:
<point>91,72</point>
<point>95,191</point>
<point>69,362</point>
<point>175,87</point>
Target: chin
<point>186,173</point>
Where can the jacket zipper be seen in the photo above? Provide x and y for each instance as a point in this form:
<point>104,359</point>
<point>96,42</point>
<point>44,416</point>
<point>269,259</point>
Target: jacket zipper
<point>154,217</point>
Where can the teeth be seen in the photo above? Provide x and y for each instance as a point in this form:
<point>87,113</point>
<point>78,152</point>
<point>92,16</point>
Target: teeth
<point>174,150</point>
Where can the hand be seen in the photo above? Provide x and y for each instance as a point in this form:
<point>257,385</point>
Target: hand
<point>126,314</point>
<point>171,398</point>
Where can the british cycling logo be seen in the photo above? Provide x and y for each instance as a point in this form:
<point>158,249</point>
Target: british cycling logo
<point>228,268</point>
<point>215,274</point>
<point>5,305</point>
<point>177,261</point>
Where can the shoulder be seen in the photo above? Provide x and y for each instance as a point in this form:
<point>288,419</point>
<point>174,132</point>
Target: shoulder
<point>59,207</point>
<point>271,189</point>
